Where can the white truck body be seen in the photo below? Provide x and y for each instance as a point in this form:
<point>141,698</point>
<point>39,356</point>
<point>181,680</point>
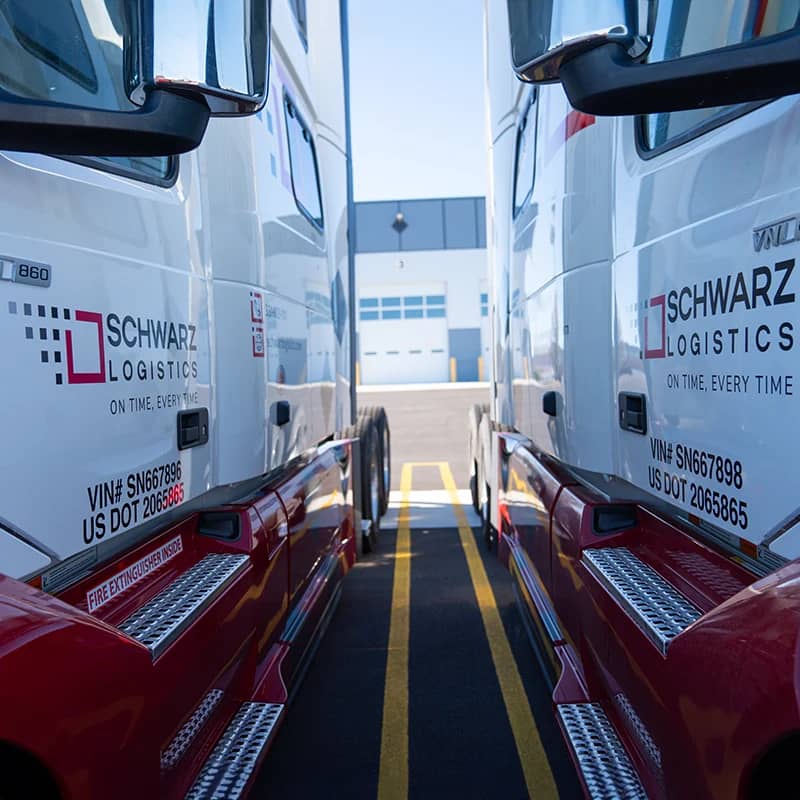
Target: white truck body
<point>203,286</point>
<point>653,256</point>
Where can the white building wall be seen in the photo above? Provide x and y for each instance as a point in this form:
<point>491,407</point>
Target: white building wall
<point>462,276</point>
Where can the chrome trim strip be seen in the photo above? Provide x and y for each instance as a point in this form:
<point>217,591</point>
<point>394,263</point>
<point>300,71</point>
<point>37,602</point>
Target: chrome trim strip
<point>530,584</point>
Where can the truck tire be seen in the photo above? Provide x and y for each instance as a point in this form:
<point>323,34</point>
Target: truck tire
<point>487,529</point>
<point>24,777</point>
<point>474,416</point>
<point>366,433</point>
<point>381,422</point>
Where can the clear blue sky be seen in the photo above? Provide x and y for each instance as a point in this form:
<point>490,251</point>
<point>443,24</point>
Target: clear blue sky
<point>416,82</point>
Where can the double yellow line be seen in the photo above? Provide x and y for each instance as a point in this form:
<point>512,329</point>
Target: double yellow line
<point>393,775</point>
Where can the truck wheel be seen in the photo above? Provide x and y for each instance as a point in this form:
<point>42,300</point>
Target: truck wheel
<point>381,422</point>
<point>367,435</point>
<point>473,488</point>
<point>24,776</point>
<point>474,416</point>
<point>489,533</point>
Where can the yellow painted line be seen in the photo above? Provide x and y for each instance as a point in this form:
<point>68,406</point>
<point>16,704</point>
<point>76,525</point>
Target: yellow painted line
<point>393,773</point>
<point>538,776</point>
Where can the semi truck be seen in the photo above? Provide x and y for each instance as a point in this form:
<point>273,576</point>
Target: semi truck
<point>635,461</point>
<point>185,479</point>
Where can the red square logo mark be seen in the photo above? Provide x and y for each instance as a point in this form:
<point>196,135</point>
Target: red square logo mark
<point>655,328</point>
<point>73,375</point>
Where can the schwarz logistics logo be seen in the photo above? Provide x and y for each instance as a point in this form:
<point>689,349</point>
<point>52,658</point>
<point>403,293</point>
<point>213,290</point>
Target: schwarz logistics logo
<point>82,347</point>
<point>744,312</point>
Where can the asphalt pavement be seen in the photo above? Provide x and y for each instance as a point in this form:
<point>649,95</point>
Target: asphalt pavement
<point>425,684</point>
<point>428,425</point>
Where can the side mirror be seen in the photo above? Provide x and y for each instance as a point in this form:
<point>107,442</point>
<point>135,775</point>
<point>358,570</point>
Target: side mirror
<point>597,56</point>
<point>217,49</point>
<point>131,78</point>
<point>547,33</point>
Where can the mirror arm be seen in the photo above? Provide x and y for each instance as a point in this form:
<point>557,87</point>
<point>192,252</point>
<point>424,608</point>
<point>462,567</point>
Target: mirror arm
<point>167,124</point>
<point>605,81</point>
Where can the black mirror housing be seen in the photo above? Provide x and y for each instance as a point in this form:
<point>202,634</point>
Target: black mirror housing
<point>606,81</point>
<point>167,124</point>
<point>180,62</point>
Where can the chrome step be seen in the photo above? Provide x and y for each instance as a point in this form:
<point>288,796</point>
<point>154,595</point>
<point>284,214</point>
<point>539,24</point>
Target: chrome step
<point>658,607</point>
<point>186,735</point>
<point>162,619</point>
<point>231,764</point>
<point>606,769</point>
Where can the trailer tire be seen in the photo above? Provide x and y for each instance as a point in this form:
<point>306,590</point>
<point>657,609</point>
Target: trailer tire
<point>381,422</point>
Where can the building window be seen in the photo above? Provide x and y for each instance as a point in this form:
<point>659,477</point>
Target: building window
<point>303,162</point>
<point>393,308</point>
<point>484,304</point>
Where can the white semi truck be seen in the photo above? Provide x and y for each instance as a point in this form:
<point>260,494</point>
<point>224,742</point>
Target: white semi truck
<point>181,489</point>
<point>636,463</point>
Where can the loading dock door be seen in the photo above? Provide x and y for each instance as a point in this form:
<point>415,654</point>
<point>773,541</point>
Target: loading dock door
<point>403,334</point>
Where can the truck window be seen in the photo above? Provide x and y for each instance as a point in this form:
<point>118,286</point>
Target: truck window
<point>684,27</point>
<point>524,165</point>
<point>303,161</point>
<point>301,19</point>
<point>71,51</point>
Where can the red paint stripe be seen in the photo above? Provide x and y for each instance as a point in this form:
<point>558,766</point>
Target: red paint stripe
<point>761,12</point>
<point>577,121</point>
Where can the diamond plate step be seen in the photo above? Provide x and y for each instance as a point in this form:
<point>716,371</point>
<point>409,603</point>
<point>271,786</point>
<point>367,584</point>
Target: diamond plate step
<point>606,769</point>
<point>231,764</point>
<point>186,735</point>
<point>162,619</point>
<point>658,607</point>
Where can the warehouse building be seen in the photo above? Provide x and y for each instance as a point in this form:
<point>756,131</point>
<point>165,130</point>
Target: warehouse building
<point>422,291</point>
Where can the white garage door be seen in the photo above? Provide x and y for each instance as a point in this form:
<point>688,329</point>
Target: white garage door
<point>403,334</point>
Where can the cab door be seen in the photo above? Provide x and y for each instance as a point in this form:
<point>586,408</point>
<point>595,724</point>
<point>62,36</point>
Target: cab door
<point>705,323</point>
<point>103,303</point>
<point>705,287</point>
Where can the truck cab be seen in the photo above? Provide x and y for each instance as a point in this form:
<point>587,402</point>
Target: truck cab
<point>644,321</point>
<point>182,492</point>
